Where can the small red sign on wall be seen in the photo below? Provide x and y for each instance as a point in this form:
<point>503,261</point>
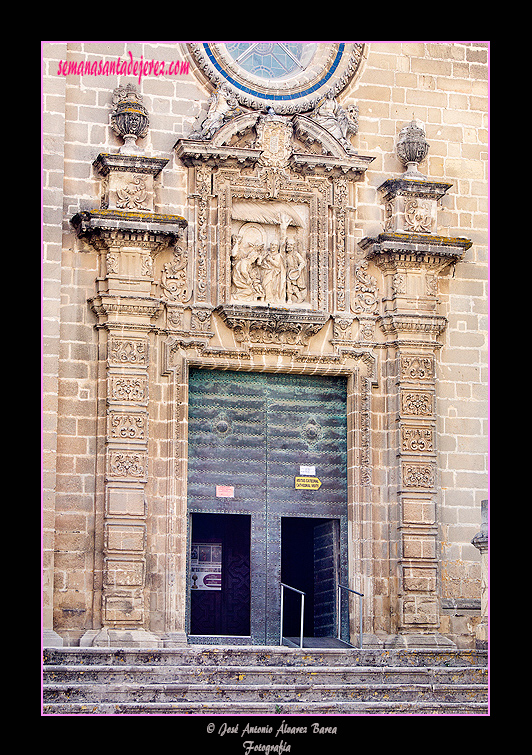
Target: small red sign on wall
<point>225,491</point>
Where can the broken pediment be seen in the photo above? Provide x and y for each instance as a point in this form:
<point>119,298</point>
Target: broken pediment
<point>305,143</point>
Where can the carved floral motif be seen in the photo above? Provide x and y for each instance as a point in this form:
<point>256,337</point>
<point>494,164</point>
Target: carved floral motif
<point>416,403</point>
<point>417,438</point>
<point>130,426</point>
<point>365,290</point>
<point>133,389</point>
<point>418,475</point>
<point>127,464</point>
<point>174,278</point>
<point>415,367</point>
<point>128,351</point>
<point>418,215</point>
<point>133,195</point>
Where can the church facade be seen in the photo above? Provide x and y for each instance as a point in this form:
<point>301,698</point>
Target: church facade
<point>265,273</point>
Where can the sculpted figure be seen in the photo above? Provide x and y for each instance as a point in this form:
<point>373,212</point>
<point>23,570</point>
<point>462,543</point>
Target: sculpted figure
<point>245,278</point>
<point>223,106</point>
<point>274,277</point>
<point>296,274</point>
<point>336,120</point>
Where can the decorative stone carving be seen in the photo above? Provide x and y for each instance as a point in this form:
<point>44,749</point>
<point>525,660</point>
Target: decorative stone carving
<point>127,425</point>
<point>417,438</point>
<point>417,403</point>
<point>274,135</point>
<point>272,326</point>
<point>419,475</point>
<point>174,282</point>
<point>337,121</point>
<point>365,295</point>
<point>276,275</point>
<point>128,389</point>
<point>412,148</point>
<point>129,118</point>
<point>222,106</point>
<point>128,181</point>
<point>128,351</point>
<point>417,367</point>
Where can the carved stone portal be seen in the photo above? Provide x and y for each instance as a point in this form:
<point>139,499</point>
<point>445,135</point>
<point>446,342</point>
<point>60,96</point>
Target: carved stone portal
<point>268,183</point>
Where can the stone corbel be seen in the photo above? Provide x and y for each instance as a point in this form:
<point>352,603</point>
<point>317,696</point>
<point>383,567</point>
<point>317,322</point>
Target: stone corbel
<point>269,325</point>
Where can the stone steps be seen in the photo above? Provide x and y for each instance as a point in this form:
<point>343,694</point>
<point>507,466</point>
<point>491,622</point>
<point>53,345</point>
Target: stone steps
<point>263,681</point>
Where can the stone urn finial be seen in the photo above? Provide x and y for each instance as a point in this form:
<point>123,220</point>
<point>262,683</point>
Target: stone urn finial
<point>412,147</point>
<point>129,118</point>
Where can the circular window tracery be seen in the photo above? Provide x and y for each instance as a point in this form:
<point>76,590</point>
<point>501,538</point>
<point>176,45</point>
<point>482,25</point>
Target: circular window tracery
<point>290,77</point>
<point>271,60</point>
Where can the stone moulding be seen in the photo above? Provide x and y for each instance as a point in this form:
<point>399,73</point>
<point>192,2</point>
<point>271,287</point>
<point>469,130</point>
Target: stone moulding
<point>105,163</point>
<point>431,189</point>
<point>272,325</point>
<point>90,223</point>
<point>444,247</point>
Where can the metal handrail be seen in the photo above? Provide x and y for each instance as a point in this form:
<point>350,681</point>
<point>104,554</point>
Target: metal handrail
<point>339,613</point>
<point>282,612</point>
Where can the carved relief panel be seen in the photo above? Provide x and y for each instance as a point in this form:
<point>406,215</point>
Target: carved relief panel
<point>272,255</point>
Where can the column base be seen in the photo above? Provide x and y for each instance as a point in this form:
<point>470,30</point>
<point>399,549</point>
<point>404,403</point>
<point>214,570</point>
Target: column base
<point>175,640</point>
<point>51,639</point>
<point>419,641</point>
<point>481,636</point>
<point>120,638</point>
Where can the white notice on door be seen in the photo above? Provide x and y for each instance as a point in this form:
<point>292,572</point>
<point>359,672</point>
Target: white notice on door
<point>307,471</point>
<point>206,566</point>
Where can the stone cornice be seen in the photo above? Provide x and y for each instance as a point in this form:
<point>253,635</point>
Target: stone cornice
<point>418,247</point>
<point>395,323</point>
<point>194,152</point>
<point>413,187</point>
<point>94,223</point>
<point>105,163</point>
<point>123,307</point>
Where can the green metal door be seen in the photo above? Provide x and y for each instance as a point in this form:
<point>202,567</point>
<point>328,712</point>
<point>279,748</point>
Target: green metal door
<point>268,446</point>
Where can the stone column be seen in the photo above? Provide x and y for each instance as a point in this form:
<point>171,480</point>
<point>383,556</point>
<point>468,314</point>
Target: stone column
<point>127,233</point>
<point>480,541</point>
<point>411,256</point>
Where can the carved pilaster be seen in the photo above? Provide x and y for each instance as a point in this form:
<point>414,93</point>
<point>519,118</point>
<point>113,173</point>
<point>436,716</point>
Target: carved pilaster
<point>411,256</point>
<point>127,234</point>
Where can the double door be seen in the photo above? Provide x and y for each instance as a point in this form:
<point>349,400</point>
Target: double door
<point>267,502</point>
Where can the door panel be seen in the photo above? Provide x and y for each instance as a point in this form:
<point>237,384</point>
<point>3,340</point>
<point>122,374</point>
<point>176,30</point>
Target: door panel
<point>326,571</point>
<point>252,433</point>
<point>224,611</point>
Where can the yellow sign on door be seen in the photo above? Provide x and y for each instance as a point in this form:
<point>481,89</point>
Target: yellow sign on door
<point>307,483</point>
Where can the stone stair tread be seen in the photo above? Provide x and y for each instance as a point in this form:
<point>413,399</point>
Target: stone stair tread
<point>266,708</point>
<point>262,681</point>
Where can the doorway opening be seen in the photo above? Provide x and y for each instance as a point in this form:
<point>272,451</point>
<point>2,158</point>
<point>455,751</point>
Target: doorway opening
<point>220,574</point>
<point>310,562</point>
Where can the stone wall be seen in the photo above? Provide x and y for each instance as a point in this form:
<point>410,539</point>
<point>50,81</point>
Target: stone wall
<point>443,85</point>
